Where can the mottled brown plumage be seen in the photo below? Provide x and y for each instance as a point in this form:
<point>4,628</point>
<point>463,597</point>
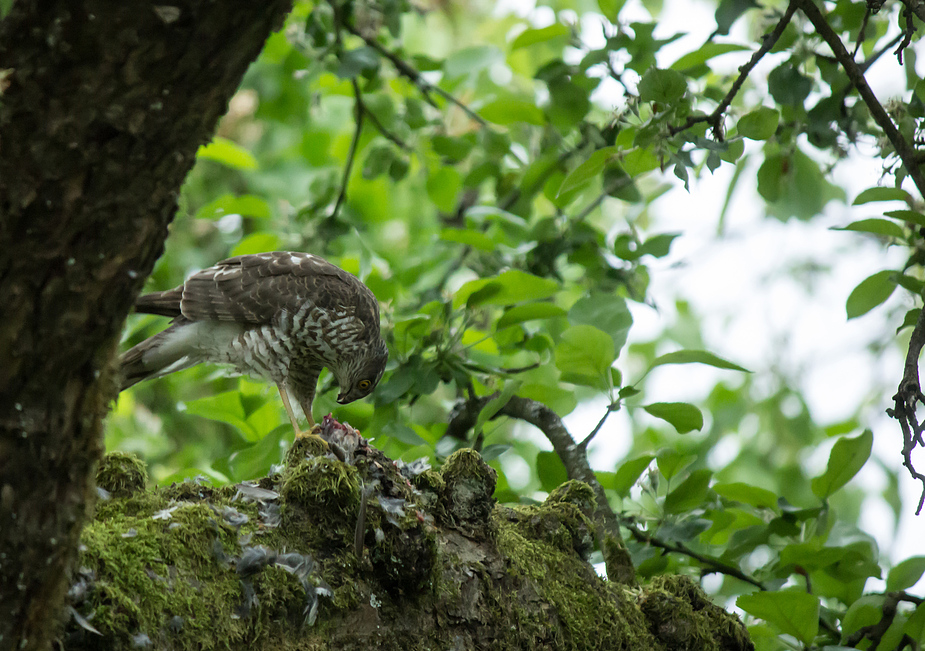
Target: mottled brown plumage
<point>282,316</point>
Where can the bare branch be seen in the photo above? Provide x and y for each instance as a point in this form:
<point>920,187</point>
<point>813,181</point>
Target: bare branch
<point>351,155</point>
<point>388,135</point>
<point>597,428</point>
<point>715,119</point>
<point>712,564</point>
<point>904,150</point>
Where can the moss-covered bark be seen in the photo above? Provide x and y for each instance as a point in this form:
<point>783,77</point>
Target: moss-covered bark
<point>434,564</point>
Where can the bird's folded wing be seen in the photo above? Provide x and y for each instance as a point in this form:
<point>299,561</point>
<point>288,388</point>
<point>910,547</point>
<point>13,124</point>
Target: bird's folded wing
<point>257,288</point>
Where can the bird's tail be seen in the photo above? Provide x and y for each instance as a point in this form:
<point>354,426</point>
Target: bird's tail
<point>164,353</point>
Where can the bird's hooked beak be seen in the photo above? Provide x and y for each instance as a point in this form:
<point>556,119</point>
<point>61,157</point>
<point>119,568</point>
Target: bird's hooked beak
<point>341,399</point>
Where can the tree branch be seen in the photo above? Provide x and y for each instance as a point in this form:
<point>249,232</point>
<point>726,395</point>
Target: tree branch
<point>406,70</point>
<point>904,150</point>
<point>905,401</point>
<point>619,566</point>
<point>351,155</point>
<point>708,562</point>
<point>715,118</point>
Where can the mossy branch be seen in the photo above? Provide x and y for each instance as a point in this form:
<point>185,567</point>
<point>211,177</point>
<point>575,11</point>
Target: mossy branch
<point>575,460</point>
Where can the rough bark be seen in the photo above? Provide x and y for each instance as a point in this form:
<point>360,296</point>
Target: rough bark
<point>102,108</point>
<point>346,551</point>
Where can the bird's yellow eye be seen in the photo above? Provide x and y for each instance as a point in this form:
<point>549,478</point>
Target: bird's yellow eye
<point>363,385</point>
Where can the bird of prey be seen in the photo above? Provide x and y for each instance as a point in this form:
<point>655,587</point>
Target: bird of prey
<point>282,316</point>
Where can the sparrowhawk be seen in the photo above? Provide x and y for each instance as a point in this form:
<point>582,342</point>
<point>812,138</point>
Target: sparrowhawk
<point>282,316</point>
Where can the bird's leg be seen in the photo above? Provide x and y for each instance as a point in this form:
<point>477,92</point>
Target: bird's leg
<point>292,419</point>
<point>307,408</point>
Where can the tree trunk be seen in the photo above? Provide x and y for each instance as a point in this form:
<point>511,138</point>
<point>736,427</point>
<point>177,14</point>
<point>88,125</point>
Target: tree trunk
<point>102,108</point>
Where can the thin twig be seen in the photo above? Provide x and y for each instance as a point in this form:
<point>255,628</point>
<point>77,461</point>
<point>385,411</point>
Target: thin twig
<point>613,186</point>
<point>597,428</point>
<point>716,117</point>
<point>904,150</point>
<point>860,41</point>
<point>907,32</point>
<point>388,135</point>
<point>406,70</point>
<point>678,548</point>
<point>351,155</point>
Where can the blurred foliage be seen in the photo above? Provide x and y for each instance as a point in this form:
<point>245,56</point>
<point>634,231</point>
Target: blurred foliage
<point>489,177</point>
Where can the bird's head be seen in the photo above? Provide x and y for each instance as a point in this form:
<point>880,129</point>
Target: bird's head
<point>358,378</point>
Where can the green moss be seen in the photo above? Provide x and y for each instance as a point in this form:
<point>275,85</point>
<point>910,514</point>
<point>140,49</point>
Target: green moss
<point>467,494</point>
<point>121,474</point>
<point>304,447</point>
<point>574,492</point>
<point>322,496</point>
<point>167,564</point>
<point>682,617</point>
<point>586,612</point>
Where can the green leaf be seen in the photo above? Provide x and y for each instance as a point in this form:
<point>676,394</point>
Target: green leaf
<point>353,63</point>
<point>509,111</point>
<point>224,407</point>
<point>729,11</point>
<point>257,243</point>
<point>590,169</point>
<point>584,355</point>
<point>665,86</point>
<point>639,161</point>
<point>690,493</point>
<point>529,312</point>
<point>629,472</point>
<point>475,239</point>
<point>671,462</point>
<point>882,194</point>
<point>513,286</point>
<point>658,246</point>
<point>905,574</point>
<point>610,8</point>
<point>695,357</point>
<point>550,470</point>
<point>223,151</point>
<point>248,205</point>
<point>256,460</point>
<point>845,460</point>
<point>568,103</point>
<point>496,404</point>
<point>703,54</point>
<point>530,37</point>
<point>793,611</point>
<point>915,626</point>
<point>443,187</point>
<point>788,86</point>
<point>403,433</point>
<point>875,226</point>
<point>866,611</point>
<point>911,216</point>
<point>747,494</point>
<point>605,311</point>
<point>684,417</point>
<point>870,293</point>
<point>911,318</point>
<point>471,60</point>
<point>759,124</point>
